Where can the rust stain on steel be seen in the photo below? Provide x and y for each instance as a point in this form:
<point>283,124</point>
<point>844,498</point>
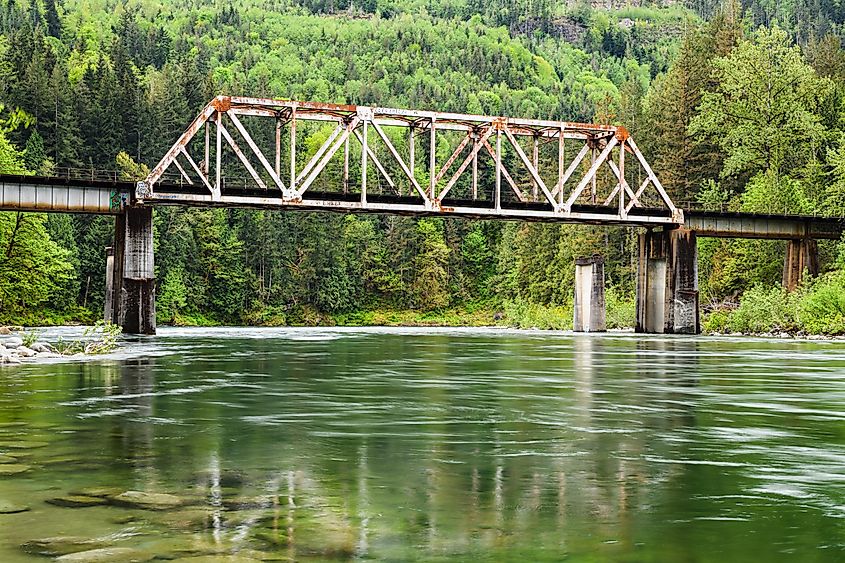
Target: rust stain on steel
<point>222,103</point>
<point>349,117</point>
<point>622,134</point>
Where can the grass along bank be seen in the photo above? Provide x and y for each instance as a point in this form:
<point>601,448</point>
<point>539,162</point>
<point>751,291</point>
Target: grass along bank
<point>815,308</point>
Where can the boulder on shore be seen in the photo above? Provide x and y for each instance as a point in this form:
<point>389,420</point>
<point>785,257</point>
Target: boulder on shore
<point>25,351</point>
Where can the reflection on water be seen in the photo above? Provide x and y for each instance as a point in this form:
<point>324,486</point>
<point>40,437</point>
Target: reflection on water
<point>428,444</point>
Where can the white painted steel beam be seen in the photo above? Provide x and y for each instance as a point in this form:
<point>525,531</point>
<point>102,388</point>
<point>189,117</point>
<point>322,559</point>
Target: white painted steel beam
<point>22,195</point>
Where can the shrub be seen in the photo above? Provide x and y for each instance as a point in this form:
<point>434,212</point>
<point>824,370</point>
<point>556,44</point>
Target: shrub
<point>621,310</point>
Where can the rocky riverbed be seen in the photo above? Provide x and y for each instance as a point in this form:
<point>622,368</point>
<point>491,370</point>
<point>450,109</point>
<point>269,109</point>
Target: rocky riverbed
<point>18,346</point>
<point>13,350</point>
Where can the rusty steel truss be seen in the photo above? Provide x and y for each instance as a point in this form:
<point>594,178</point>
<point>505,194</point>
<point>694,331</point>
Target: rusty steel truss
<point>504,167</point>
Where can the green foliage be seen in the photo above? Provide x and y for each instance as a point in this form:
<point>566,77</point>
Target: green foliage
<point>817,307</point>
<point>172,298</point>
<point>11,160</point>
<point>524,314</point>
<point>621,310</point>
<point>834,195</point>
<point>128,169</point>
<point>821,305</point>
<point>30,337</point>
<point>713,197</point>
<point>764,113</point>
<point>761,310</point>
<point>33,267</point>
<point>430,287</point>
<point>101,338</point>
<point>767,192</point>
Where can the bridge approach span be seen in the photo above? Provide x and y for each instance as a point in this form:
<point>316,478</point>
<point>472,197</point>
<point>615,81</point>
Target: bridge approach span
<point>103,196</point>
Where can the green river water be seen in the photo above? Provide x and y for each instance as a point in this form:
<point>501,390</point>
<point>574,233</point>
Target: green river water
<point>426,444</point>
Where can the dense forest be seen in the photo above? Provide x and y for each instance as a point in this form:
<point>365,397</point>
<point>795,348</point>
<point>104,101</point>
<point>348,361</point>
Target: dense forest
<point>738,105</point>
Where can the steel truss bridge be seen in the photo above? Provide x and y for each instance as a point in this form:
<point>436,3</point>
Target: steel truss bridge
<point>382,160</point>
<point>388,160</point>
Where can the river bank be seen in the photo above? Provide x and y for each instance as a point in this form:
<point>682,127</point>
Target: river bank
<point>19,345</point>
<point>815,312</point>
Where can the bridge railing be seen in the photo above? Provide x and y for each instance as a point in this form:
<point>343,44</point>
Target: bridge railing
<point>771,208</point>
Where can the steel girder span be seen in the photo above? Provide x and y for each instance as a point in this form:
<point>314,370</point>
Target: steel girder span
<point>357,158</point>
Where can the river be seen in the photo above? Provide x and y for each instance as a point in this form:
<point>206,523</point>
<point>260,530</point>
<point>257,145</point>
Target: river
<point>428,444</point>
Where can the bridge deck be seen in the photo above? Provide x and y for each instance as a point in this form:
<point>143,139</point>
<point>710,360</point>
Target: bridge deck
<point>34,193</point>
<point>63,195</point>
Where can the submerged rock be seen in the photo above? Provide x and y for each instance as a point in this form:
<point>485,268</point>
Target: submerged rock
<point>248,503</point>
<point>147,501</point>
<point>8,469</point>
<point>190,519</point>
<point>77,501</point>
<point>219,559</point>
<point>230,478</point>
<point>7,459</point>
<point>107,555</point>
<point>61,545</point>
<point>12,508</point>
<point>101,492</point>
<point>23,445</point>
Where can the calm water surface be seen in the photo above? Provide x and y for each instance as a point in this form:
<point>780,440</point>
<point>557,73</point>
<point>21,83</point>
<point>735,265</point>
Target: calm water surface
<point>458,445</point>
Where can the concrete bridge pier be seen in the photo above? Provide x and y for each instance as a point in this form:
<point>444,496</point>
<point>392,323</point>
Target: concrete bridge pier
<point>130,291</point>
<point>589,306</point>
<point>667,282</point>
<point>802,255</point>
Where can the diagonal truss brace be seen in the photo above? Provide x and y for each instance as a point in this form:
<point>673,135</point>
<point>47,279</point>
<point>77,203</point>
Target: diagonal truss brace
<point>224,115</point>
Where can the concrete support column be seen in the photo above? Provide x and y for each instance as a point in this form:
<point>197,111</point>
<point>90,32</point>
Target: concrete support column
<point>802,255</point>
<point>108,307</point>
<point>589,307</point>
<point>134,252</point>
<point>667,282</point>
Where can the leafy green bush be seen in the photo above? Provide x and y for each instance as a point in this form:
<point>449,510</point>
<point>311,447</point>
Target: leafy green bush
<point>30,337</point>
<point>523,314</point>
<point>765,309</point>
<point>718,321</point>
<point>621,311</point>
<point>98,339</point>
<point>821,305</point>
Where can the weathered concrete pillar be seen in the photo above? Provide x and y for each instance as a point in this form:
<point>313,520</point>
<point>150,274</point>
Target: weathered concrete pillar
<point>589,314</point>
<point>802,255</point>
<point>108,306</point>
<point>667,282</point>
<point>134,252</point>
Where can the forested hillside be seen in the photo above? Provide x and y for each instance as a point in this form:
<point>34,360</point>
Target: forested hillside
<point>736,106</point>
